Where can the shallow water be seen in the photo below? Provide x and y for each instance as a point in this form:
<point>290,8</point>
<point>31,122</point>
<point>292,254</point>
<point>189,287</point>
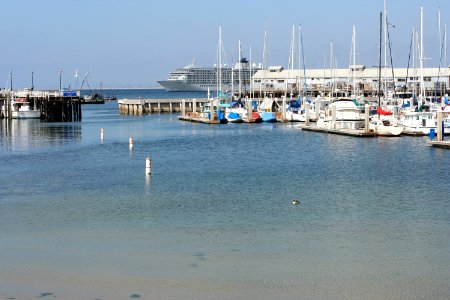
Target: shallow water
<point>80,219</point>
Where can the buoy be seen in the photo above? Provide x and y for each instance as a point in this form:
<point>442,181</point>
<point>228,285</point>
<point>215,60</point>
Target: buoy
<point>295,202</point>
<point>131,142</point>
<point>148,165</point>
<point>101,133</point>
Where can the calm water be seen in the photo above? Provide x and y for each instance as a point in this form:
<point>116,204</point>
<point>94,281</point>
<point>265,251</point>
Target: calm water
<point>79,218</point>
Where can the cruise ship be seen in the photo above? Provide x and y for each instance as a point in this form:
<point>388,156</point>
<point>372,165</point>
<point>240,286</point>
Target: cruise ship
<point>193,78</point>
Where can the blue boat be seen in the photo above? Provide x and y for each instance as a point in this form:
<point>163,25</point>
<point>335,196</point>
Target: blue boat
<point>268,116</point>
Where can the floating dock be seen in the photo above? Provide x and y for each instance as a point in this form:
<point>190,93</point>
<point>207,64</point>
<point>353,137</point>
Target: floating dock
<point>195,117</point>
<point>347,132</point>
<point>439,144</point>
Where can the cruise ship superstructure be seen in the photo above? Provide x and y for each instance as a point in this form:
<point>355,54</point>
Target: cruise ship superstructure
<point>195,78</point>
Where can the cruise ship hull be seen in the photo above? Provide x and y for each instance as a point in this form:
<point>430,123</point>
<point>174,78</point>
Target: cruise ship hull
<point>180,86</point>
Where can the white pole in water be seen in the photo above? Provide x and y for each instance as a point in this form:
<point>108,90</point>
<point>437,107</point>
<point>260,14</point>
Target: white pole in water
<point>194,105</point>
<point>307,114</point>
<point>183,108</point>
<point>366,118</point>
<point>211,110</point>
<point>148,165</point>
<point>131,142</point>
<point>249,110</point>
<point>284,106</point>
<point>439,126</point>
<point>102,131</point>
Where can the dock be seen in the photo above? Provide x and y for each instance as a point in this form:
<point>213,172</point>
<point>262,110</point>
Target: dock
<point>197,119</point>
<point>347,132</point>
<point>149,106</point>
<point>439,144</point>
<point>54,106</point>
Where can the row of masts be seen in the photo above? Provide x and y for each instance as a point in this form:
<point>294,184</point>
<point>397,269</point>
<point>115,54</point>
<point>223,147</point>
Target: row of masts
<point>417,49</point>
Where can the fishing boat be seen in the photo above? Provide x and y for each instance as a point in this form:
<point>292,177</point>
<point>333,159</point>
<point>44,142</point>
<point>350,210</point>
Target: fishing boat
<point>21,109</point>
<point>93,98</point>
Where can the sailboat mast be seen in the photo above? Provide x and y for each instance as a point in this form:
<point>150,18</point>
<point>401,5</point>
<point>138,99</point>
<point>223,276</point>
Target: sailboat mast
<point>421,56</point>
<point>379,62</point>
<point>354,60</point>
<point>251,74</point>
<point>385,51</point>
<point>291,61</point>
<point>331,68</point>
<point>264,61</point>
<point>10,79</point>
<point>303,60</point>
<point>240,69</point>
<point>220,58</point>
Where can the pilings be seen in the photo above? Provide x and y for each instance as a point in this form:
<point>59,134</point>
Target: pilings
<point>149,106</point>
<point>53,106</point>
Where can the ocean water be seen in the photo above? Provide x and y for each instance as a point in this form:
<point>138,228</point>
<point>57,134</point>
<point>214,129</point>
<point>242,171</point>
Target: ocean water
<point>79,219</point>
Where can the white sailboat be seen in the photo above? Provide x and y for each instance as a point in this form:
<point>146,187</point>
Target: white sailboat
<point>384,124</point>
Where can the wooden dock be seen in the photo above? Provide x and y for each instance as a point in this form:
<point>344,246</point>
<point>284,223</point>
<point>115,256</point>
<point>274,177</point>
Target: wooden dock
<point>194,119</point>
<point>347,132</point>
<point>54,106</point>
<point>439,144</point>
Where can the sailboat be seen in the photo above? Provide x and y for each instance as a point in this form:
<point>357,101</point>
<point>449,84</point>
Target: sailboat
<point>384,124</point>
<point>268,104</point>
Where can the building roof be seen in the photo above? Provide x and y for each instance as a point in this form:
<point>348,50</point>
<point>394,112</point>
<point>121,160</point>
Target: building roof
<point>362,73</point>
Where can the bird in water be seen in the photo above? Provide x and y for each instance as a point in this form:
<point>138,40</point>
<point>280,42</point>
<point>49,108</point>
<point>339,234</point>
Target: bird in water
<point>295,202</point>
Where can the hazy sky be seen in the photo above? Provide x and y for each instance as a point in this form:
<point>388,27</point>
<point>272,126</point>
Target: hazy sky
<point>134,43</point>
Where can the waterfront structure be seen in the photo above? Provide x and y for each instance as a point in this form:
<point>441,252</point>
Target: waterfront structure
<point>195,78</point>
<point>275,80</point>
<point>50,106</point>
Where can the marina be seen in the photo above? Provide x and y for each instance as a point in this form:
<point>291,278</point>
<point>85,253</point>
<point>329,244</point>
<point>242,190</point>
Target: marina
<point>297,157</point>
<point>104,217</point>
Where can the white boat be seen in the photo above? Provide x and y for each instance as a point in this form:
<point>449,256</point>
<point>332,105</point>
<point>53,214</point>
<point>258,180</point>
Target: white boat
<point>347,116</point>
<point>20,109</point>
<point>421,122</point>
<point>386,128</point>
<point>194,78</point>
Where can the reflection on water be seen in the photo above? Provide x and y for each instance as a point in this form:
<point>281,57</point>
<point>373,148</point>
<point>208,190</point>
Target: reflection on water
<point>23,135</point>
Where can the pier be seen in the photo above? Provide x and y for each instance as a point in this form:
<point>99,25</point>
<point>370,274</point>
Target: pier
<point>149,106</point>
<point>53,106</point>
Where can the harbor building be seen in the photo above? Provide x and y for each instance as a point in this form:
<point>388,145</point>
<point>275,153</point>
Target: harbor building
<point>357,79</point>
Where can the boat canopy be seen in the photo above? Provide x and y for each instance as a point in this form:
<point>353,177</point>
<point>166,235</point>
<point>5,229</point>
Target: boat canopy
<point>380,111</point>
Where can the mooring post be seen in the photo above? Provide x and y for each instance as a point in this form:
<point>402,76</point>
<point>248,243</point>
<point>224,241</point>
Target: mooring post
<point>194,104</point>
<point>366,118</point>
<point>148,166</point>
<point>307,114</point>
<point>284,108</point>
<point>317,108</point>
<point>211,110</point>
<point>131,142</point>
<point>439,125</point>
<point>249,110</point>
<point>183,108</point>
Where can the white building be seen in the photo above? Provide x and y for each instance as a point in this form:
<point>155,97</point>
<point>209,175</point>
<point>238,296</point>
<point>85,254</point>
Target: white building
<point>277,79</point>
